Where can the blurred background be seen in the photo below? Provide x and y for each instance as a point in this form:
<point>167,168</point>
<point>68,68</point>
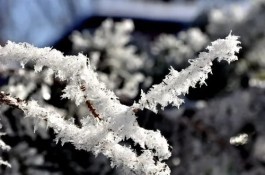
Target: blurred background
<point>219,130</point>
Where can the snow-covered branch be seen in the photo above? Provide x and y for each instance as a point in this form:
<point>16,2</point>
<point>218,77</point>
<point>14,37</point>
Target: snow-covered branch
<point>98,138</point>
<point>112,122</point>
<point>177,83</point>
<point>118,121</point>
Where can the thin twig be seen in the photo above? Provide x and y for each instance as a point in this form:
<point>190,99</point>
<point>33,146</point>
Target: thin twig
<point>89,104</point>
<point>10,101</point>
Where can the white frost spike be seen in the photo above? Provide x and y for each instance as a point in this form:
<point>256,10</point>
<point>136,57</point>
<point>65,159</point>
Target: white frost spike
<point>176,83</point>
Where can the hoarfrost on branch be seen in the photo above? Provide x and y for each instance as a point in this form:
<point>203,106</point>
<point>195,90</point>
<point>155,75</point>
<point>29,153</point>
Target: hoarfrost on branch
<point>111,122</point>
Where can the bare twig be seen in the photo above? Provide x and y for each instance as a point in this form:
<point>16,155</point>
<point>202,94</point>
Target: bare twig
<point>89,104</point>
<point>10,101</point>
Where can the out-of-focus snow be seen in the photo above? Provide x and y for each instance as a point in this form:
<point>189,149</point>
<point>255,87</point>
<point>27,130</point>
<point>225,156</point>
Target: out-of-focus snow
<point>45,21</point>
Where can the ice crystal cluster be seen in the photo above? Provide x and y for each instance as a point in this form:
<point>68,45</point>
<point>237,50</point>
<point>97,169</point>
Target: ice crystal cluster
<point>110,122</point>
<point>123,65</point>
<point>111,43</point>
<point>175,50</point>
